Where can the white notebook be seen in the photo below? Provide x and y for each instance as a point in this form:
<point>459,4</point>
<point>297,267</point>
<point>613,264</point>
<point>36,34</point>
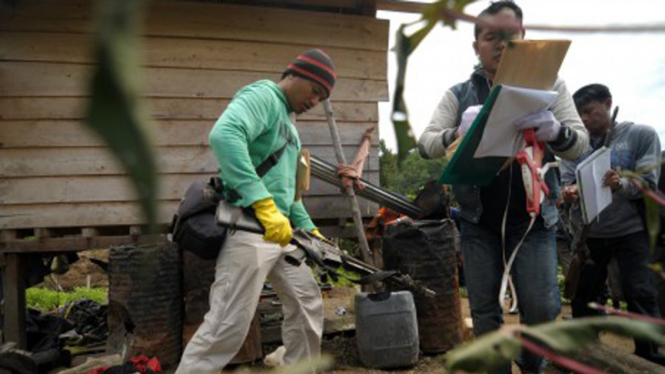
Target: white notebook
<point>594,198</point>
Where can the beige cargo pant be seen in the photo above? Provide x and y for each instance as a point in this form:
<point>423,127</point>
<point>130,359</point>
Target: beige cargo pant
<point>243,264</point>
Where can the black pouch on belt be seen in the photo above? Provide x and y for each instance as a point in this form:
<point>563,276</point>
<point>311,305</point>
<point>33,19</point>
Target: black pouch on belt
<point>194,227</point>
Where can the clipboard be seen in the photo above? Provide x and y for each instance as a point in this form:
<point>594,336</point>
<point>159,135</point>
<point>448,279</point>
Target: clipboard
<point>463,168</point>
<point>531,63</point>
<point>525,63</point>
<point>594,197</point>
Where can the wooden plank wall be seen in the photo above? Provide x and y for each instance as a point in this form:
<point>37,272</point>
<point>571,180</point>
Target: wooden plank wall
<point>55,173</point>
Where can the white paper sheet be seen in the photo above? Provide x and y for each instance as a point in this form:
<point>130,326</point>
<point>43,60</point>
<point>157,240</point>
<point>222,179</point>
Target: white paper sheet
<point>594,198</point>
<point>500,138</point>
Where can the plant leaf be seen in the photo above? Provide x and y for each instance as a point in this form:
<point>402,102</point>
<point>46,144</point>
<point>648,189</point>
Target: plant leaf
<point>499,347</point>
<point>652,221</point>
<point>486,352</point>
<point>573,334</point>
<point>626,314</point>
<point>404,47</point>
<point>436,11</point>
<point>559,359</point>
<point>115,111</point>
<point>657,267</point>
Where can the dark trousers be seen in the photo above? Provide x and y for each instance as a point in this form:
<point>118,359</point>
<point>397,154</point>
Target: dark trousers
<point>638,282</point>
<point>534,274</point>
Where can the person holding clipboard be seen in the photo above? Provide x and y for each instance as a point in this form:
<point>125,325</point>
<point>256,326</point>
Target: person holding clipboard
<point>490,214</point>
<point>619,231</point>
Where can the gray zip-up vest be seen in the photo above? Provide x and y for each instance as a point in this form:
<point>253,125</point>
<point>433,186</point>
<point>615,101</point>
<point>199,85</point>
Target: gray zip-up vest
<point>471,93</point>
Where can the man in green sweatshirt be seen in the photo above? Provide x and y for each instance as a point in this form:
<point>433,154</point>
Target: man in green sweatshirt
<point>256,125</point>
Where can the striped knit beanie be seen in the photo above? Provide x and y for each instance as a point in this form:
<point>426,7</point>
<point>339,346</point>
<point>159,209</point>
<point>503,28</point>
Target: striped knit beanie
<point>314,65</point>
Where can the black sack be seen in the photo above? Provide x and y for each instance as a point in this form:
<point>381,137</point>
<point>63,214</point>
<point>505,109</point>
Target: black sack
<point>195,228</point>
<point>426,251</point>
<point>434,201</point>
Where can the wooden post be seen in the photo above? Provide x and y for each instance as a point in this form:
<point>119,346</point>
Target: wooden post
<point>14,304</point>
<point>89,232</point>
<point>348,190</point>
<point>7,236</point>
<point>135,231</point>
<point>43,233</point>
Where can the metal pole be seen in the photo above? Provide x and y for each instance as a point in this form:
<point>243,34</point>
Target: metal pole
<point>348,190</point>
<point>328,173</point>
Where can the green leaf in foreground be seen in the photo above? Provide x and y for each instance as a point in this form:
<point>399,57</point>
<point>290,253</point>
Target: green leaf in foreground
<point>574,334</point>
<point>502,346</point>
<point>652,213</point>
<point>484,353</point>
<point>116,112</point>
<point>404,47</point>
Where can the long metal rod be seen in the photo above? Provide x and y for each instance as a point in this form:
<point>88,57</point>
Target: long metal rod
<point>348,190</point>
<point>328,173</point>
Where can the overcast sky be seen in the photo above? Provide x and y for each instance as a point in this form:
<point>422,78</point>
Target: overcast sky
<point>631,65</point>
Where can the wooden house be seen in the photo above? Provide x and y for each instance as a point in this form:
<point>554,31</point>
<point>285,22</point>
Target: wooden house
<point>62,190</point>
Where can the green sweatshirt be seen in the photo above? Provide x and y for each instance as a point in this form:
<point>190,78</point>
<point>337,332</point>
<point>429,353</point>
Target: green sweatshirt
<point>256,123</point>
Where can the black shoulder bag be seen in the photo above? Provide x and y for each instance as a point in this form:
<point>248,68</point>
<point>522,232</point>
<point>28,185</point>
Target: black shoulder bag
<point>194,227</point>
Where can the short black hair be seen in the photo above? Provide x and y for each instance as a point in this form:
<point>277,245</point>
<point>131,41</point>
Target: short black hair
<point>495,8</point>
<point>591,92</point>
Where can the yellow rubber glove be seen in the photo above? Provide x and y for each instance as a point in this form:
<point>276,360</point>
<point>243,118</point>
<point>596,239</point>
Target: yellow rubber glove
<point>278,227</point>
<point>318,233</point>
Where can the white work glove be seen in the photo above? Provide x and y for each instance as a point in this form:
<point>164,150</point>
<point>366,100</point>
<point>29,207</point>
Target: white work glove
<point>546,126</point>
<point>468,117</point>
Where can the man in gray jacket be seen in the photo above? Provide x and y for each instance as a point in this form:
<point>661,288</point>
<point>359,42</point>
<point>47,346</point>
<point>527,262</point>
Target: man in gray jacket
<point>494,213</point>
<point>619,231</point>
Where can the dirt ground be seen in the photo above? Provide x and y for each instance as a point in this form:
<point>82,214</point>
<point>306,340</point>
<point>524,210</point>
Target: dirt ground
<point>80,271</point>
<point>341,346</point>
